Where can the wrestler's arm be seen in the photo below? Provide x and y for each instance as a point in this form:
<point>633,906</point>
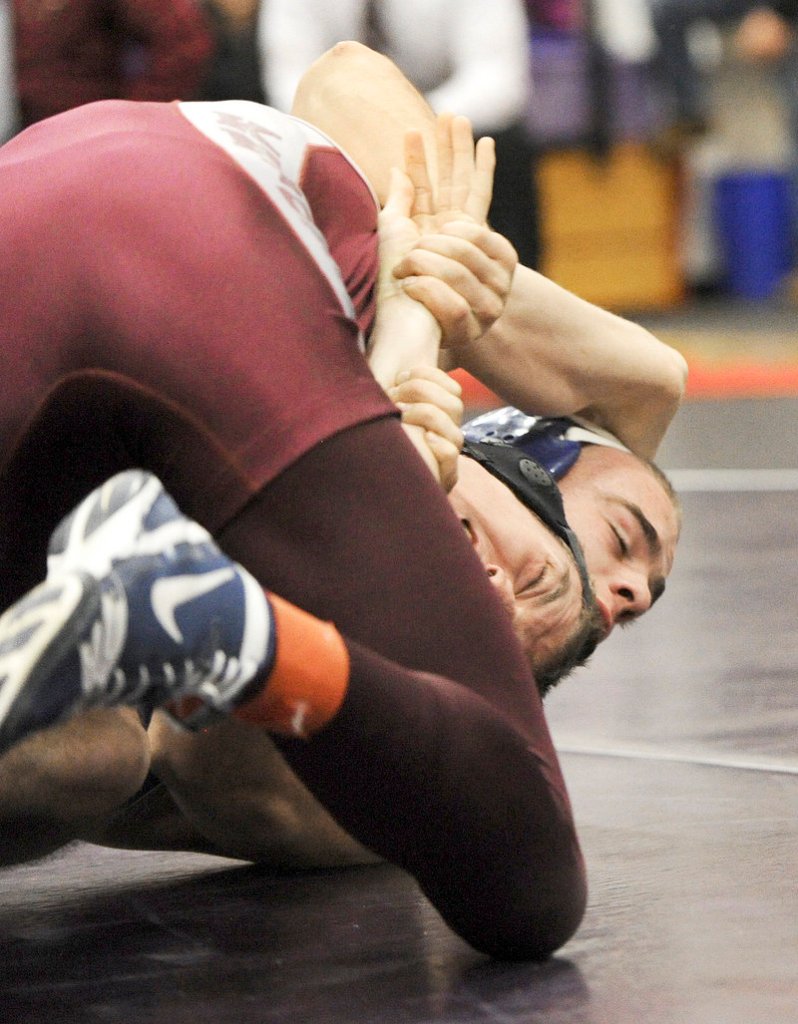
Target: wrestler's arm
<point>550,352</point>
<point>404,345</point>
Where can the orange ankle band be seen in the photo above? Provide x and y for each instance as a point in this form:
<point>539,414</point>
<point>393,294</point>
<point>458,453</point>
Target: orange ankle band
<point>308,682</point>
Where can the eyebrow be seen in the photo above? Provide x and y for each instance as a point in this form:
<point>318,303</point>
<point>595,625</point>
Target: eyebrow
<point>653,542</point>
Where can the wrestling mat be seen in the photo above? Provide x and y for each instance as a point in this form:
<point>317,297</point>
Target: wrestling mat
<point>680,747</point>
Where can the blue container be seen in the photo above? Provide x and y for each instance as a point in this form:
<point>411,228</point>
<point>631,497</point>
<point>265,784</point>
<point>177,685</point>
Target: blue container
<point>753,217</point>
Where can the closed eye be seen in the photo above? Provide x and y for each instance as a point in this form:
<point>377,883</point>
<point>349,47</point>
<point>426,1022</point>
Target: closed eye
<point>623,547</point>
<point>529,587</point>
<point>559,587</point>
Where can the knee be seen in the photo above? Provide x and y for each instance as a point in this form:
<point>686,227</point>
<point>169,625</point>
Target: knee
<point>113,762</point>
<point>88,767</point>
<point>57,785</point>
<point>527,911</point>
<point>529,931</point>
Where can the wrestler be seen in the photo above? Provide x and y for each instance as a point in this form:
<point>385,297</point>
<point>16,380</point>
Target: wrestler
<point>308,499</point>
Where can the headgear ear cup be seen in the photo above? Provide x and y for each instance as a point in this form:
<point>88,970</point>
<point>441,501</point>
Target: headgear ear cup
<point>536,487</point>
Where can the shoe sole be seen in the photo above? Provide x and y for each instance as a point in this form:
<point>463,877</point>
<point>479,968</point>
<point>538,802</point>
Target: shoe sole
<point>37,635</point>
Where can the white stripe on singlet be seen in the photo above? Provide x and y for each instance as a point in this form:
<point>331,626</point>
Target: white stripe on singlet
<point>271,147</point>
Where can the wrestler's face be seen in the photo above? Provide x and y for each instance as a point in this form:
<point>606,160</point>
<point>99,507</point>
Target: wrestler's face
<point>532,570</point>
<point>628,528</point>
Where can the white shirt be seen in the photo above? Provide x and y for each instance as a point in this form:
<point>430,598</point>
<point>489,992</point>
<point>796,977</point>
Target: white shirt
<point>469,57</point>
<point>9,120</point>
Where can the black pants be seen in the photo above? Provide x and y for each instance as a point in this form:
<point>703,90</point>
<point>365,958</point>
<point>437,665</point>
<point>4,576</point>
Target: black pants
<point>514,211</point>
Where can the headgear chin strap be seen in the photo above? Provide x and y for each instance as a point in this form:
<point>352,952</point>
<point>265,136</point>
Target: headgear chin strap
<point>535,486</point>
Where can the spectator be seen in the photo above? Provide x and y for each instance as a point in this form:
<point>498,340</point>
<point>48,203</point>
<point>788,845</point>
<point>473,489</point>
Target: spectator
<point>764,33</point>
<point>463,56</point>
<point>73,52</point>
<point>234,73</point>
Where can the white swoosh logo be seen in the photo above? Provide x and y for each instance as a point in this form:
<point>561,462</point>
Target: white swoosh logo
<point>173,592</point>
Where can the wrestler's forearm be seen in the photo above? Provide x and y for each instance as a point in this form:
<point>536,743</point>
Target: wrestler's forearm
<point>405,335</point>
<point>553,353</point>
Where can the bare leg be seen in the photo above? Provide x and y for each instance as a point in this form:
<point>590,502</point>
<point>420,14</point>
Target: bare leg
<point>235,788</point>
<point>60,785</point>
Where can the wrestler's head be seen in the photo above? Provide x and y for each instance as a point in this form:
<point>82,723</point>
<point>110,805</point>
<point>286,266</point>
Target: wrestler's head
<point>537,574</point>
<point>628,520</point>
<point>621,509</point>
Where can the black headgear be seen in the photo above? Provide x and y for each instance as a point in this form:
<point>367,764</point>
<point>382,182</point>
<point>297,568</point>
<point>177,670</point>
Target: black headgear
<point>535,486</point>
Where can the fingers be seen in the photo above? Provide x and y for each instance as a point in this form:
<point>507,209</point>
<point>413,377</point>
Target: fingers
<point>495,245</point>
<point>418,173</point>
<point>433,419</point>
<point>461,144</point>
<point>432,411</point>
<point>396,231</point>
<point>446,455</point>
<point>400,195</point>
<point>481,192</point>
<point>441,438</point>
<point>460,324</point>
<point>464,174</point>
<point>468,182</point>
<point>431,373</point>
<point>463,275</point>
<point>485,255</point>
<point>431,399</point>
<point>443,143</point>
<point>463,164</point>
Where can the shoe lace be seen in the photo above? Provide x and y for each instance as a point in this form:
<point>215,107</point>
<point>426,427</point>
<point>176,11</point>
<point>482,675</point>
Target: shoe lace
<point>214,677</point>
<point>215,684</point>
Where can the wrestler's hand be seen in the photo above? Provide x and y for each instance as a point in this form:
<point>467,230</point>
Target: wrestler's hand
<point>463,275</point>
<point>459,269</point>
<point>463,187</point>
<point>415,205</point>
<point>431,400</point>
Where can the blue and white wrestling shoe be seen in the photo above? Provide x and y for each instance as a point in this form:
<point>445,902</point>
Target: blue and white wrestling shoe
<point>139,607</point>
<point>130,513</point>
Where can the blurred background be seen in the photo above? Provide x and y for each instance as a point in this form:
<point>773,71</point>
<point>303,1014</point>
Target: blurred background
<point>647,148</point>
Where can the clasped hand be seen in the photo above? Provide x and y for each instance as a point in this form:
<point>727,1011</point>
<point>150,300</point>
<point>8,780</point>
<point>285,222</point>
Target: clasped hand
<point>444,280</point>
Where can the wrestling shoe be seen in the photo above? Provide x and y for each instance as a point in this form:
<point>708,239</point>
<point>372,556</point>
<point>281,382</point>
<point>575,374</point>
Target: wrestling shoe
<point>130,513</point>
<point>185,624</point>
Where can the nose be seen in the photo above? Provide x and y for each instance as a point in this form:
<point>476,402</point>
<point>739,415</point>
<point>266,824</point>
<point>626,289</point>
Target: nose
<point>630,595</point>
<point>501,581</point>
